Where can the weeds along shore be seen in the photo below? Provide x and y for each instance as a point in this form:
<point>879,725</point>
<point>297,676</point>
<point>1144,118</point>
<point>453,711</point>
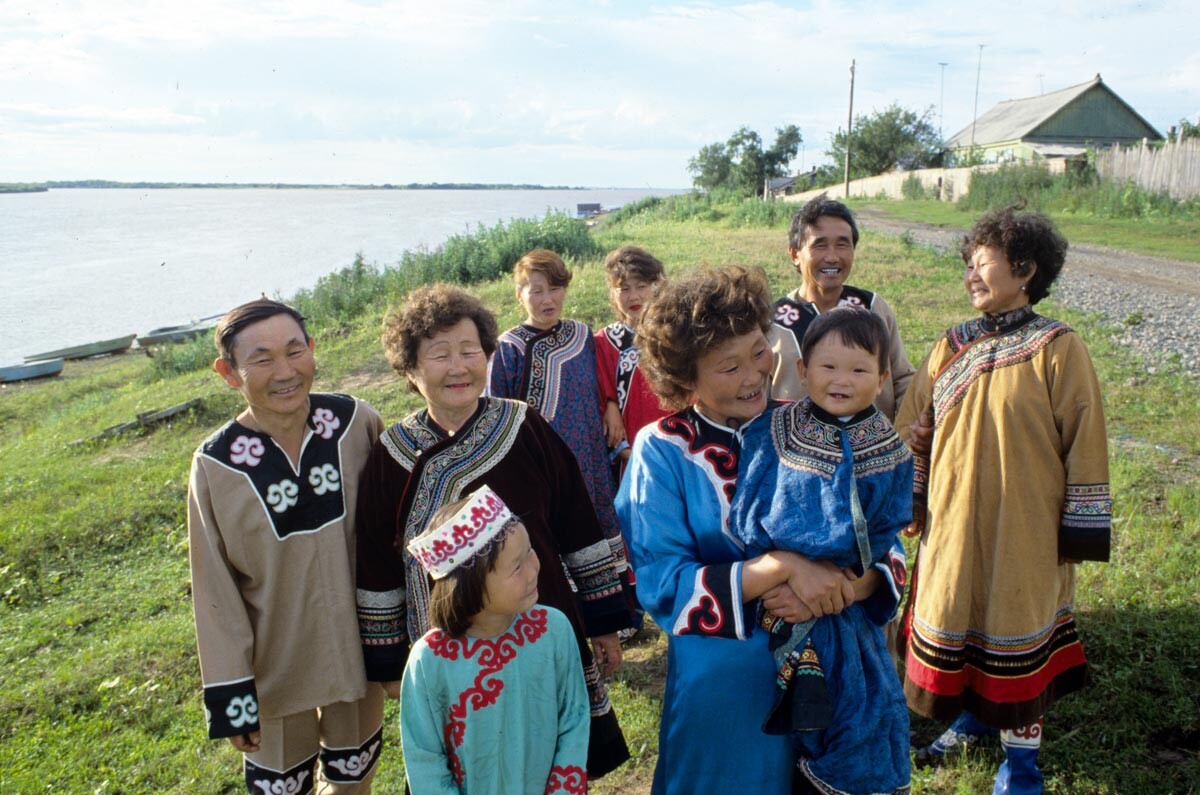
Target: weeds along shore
<point>99,684</point>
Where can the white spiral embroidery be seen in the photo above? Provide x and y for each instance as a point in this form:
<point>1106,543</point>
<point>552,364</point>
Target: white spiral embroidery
<point>324,478</point>
<point>787,315</point>
<point>325,422</point>
<point>246,450</point>
<point>282,495</point>
<point>288,786</point>
<point>355,765</point>
<point>242,710</point>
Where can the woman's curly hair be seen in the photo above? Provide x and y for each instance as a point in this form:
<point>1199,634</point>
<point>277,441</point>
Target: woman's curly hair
<point>1027,239</point>
<point>691,317</point>
<point>427,311</point>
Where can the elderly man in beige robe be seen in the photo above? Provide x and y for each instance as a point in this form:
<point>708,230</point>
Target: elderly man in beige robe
<point>271,531</point>
<point>821,243</point>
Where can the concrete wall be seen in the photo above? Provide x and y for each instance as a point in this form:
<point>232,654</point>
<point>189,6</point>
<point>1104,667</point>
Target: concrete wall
<point>947,184</point>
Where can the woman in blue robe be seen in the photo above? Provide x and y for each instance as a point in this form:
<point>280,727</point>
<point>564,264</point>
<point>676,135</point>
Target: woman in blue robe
<point>705,352</point>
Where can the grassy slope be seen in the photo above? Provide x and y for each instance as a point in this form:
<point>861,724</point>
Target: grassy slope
<point>1178,239</point>
<point>99,690</point>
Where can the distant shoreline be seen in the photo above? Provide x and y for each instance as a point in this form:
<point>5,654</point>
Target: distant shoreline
<point>37,187</point>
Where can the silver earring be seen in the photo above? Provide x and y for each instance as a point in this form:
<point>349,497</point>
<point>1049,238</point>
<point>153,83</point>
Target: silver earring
<point>1024,288</point>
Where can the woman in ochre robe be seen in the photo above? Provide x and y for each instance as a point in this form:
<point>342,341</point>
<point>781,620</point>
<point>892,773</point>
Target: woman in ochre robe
<point>1010,494</point>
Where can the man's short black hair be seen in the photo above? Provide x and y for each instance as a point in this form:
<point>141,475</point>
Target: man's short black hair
<point>812,211</point>
<point>238,318</point>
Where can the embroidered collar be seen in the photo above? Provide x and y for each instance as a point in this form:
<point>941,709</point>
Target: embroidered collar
<point>832,419</point>
<point>423,419</point>
<point>1006,321</point>
<point>535,331</point>
<point>297,497</point>
<point>810,439</point>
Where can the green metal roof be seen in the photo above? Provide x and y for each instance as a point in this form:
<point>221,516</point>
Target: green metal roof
<point>1019,119</point>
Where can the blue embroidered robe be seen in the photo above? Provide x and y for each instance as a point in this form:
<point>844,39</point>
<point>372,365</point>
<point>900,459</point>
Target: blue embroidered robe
<point>674,504</point>
<point>797,472</point>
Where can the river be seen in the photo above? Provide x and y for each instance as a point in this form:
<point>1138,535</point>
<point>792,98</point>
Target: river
<point>80,265</point>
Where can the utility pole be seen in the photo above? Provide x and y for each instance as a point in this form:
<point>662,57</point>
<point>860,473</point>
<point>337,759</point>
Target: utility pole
<point>975,113</point>
<point>942,101</point>
<point>849,131</point>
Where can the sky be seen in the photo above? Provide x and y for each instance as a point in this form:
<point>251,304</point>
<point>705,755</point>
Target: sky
<point>557,93</point>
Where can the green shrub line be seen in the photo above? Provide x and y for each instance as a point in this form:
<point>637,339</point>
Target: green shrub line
<point>344,296</point>
<point>1077,191</point>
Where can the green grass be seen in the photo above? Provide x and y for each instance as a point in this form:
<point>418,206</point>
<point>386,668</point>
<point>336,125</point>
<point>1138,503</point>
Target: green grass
<point>99,686</point>
<point>1177,238</point>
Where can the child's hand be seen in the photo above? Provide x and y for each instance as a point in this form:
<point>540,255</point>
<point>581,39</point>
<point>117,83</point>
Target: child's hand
<point>614,428</point>
<point>246,743</point>
<point>391,688</point>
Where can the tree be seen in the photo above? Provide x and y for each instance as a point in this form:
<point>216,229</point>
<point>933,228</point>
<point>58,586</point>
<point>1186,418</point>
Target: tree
<point>1188,129</point>
<point>741,164</point>
<point>894,138</point>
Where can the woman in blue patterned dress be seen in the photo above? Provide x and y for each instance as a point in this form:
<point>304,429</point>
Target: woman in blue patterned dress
<point>550,362</point>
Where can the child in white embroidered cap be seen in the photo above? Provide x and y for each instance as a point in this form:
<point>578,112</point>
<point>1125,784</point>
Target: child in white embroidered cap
<point>493,697</point>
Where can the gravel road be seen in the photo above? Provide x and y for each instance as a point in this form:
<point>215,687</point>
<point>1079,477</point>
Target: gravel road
<point>1152,304</point>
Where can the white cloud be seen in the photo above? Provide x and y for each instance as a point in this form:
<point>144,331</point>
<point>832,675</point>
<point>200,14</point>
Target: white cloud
<point>440,89</point>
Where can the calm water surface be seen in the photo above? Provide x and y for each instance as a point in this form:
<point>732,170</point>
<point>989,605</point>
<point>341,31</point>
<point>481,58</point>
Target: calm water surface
<point>84,265</point>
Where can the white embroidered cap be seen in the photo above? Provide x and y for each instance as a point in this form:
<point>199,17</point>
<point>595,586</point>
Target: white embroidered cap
<point>481,520</point>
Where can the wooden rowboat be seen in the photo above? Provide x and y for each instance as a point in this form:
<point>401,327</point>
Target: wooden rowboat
<point>115,345</point>
<point>166,334</point>
<point>23,372</point>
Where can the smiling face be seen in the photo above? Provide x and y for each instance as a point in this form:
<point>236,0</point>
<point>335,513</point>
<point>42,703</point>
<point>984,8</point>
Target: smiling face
<point>732,379</point>
<point>825,257</point>
<point>542,301</point>
<point>991,283</point>
<point>842,379</point>
<point>629,297</point>
<point>274,369</point>
<point>511,587</point>
<point>451,373</point>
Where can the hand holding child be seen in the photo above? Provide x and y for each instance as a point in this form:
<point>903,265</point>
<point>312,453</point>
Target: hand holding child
<point>782,601</point>
<point>822,586</point>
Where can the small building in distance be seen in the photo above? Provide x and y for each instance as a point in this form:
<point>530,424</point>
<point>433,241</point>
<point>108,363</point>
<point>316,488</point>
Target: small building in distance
<point>1063,124</point>
<point>587,210</point>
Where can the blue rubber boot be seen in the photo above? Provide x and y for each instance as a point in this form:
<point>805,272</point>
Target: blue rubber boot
<point>1019,773</point>
<point>963,733</point>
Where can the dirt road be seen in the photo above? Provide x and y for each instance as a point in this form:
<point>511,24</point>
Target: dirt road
<point>1151,303</point>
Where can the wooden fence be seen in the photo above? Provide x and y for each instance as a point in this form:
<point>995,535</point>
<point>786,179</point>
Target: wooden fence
<point>1173,168</point>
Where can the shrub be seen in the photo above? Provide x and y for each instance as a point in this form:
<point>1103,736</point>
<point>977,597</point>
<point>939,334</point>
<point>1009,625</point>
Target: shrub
<point>1078,191</point>
<point>1005,186</point>
<point>491,252</point>
<point>341,297</point>
<point>172,359</point>
<point>628,212</point>
<point>913,189</point>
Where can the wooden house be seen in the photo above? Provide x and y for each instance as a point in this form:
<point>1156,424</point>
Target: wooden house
<point>1061,124</point>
